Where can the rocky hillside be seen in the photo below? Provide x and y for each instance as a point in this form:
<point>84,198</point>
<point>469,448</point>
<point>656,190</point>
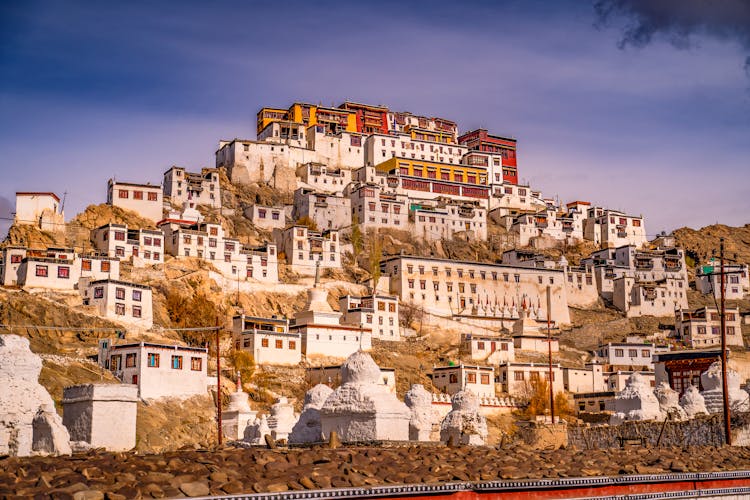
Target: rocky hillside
<point>701,244</point>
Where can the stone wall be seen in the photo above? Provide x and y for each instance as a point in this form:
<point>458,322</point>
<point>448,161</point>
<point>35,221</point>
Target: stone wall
<point>701,431</point>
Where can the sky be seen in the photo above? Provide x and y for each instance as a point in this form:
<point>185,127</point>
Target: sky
<point>636,105</point>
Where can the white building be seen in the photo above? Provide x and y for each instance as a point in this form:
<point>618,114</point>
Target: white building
<point>589,379</point>
<point>449,287</point>
<point>611,228</point>
<point>331,375</point>
<point>144,199</point>
<point>42,210</point>
<point>322,178</point>
<point>508,199</point>
<point>381,147</point>
<point>376,208</point>
<point>304,248</point>
<point>321,330</point>
<point>649,298</point>
<point>492,349</point>
<point>208,242</point>
<point>634,352</point>
<point>548,227</point>
<point>266,217</point>
<point>327,211</point>
<point>736,280</point>
<point>181,186</point>
<point>53,268</point>
<point>143,246</point>
<point>518,379</point>
<point>267,339</point>
<point>121,301</point>
<point>452,379</point>
<point>443,219</point>
<point>701,328</point>
<point>378,312</point>
<point>158,370</point>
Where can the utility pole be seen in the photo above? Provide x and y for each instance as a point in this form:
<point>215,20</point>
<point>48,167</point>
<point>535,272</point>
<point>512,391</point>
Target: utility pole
<point>722,312</point>
<point>218,382</point>
<point>549,353</point>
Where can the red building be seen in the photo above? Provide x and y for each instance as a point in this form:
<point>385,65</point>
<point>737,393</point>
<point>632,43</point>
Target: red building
<point>370,119</point>
<point>480,140</point>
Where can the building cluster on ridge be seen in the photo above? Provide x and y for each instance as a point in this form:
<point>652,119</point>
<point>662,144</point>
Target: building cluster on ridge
<point>371,167</point>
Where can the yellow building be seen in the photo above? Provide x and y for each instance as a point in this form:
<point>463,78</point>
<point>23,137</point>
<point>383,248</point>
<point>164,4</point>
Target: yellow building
<point>422,134</point>
<point>333,120</point>
<point>466,174</point>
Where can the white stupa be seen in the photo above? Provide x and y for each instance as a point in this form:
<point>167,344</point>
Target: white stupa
<point>238,414</point>
<point>308,428</point>
<point>692,402</point>
<point>424,417</point>
<point>713,393</point>
<point>669,401</point>
<point>464,423</point>
<point>636,402</point>
<point>362,409</point>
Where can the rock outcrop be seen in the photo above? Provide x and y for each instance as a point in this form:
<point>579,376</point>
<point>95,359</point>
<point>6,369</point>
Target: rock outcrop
<point>28,422</point>
<point>308,428</point>
<point>636,402</point>
<point>464,424</point>
<point>362,409</point>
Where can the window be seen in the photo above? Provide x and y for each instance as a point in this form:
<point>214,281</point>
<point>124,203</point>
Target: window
<point>177,362</point>
<point>485,378</point>
<point>279,344</point>
<point>453,378</point>
<point>264,342</point>
<point>619,353</point>
<point>137,195</point>
<point>99,292</point>
<point>137,312</point>
<point>292,344</point>
<point>41,271</point>
<point>120,293</point>
<point>122,193</point>
<point>105,266</point>
<point>153,197</point>
<point>471,378</point>
<point>153,360</point>
<point>130,360</point>
<point>16,259</point>
<point>120,235</point>
<point>633,353</point>
<point>646,353</point>
<point>120,309</point>
<point>63,272</point>
<point>196,364</point>
<point>518,376</point>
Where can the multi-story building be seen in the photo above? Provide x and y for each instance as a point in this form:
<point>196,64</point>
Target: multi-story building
<point>10,262</point>
<point>736,280</point>
<point>120,301</point>
<point>144,246</point>
<point>701,328</point>
<point>158,370</point>
<point>42,210</point>
<point>634,352</point>
<point>53,268</point>
<point>518,379</point>
<point>452,379</point>
<point>512,199</point>
<point>548,227</point>
<point>378,312</point>
<point>423,127</point>
<point>613,229</point>
<point>208,242</point>
<point>375,208</point>
<point>146,200</point>
<point>333,120</point>
<point>322,178</point>
<point>430,179</point>
<point>327,211</point>
<point>637,297</point>
<point>489,348</point>
<point>590,379</point>
<point>306,249</point>
<point>181,186</point>
<point>442,219</point>
<point>481,140</point>
<point>267,339</point>
<point>266,217</point>
<point>381,147</point>
<point>369,119</point>
<point>450,287</point>
<point>322,333</point>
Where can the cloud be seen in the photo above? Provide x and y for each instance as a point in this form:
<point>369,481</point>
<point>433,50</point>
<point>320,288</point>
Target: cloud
<point>680,21</point>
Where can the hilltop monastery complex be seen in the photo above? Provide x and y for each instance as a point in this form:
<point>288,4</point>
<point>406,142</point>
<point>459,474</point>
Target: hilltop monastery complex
<point>370,167</point>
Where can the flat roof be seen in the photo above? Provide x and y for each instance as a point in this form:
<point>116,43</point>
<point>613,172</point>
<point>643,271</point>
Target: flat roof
<point>119,183</point>
<point>161,346</point>
<point>679,355</point>
<point>31,193</point>
<point>468,262</point>
<point>118,282</point>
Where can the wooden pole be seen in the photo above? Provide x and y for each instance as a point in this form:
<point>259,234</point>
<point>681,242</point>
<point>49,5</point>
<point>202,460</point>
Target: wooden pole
<point>549,354</point>
<point>723,323</point>
<point>218,383</point>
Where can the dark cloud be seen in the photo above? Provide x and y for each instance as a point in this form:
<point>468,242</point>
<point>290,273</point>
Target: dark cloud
<point>679,21</point>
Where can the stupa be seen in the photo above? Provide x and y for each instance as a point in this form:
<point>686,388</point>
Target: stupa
<point>464,423</point>
<point>282,419</point>
<point>636,402</point>
<point>669,402</point>
<point>362,409</point>
<point>308,428</point>
<point>692,402</point>
<point>238,414</point>
<point>714,395</point>
<point>422,425</point>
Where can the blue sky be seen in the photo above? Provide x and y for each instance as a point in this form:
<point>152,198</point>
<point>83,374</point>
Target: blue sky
<point>91,90</point>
